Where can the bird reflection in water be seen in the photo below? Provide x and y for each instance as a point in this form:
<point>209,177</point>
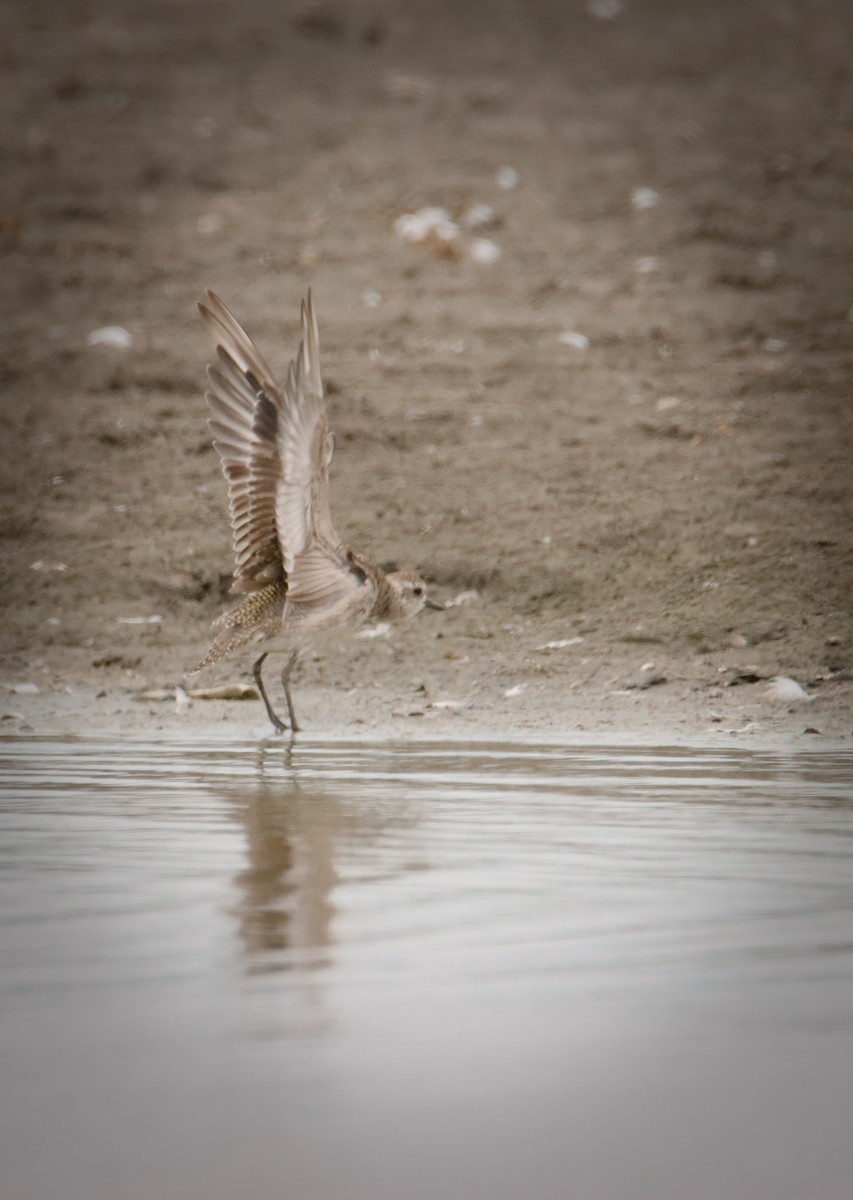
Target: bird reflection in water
<point>306,845</point>
<point>285,908</point>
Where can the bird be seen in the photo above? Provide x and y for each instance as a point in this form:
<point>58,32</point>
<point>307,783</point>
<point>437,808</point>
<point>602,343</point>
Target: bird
<point>298,578</point>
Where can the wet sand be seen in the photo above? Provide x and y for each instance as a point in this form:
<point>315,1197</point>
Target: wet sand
<point>677,493</point>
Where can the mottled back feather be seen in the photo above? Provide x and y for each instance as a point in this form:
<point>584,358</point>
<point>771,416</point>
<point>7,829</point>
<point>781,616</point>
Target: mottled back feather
<point>258,617</point>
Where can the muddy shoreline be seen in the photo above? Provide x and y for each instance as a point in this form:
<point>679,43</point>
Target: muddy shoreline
<point>629,435</point>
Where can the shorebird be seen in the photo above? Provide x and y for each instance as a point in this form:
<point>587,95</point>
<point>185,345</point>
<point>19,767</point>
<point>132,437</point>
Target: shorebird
<point>276,449</point>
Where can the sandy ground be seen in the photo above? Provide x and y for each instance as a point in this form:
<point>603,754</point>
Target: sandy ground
<point>676,493</point>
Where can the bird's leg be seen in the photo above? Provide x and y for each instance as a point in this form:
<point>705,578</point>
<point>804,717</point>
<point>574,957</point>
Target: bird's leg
<point>278,724</point>
<point>285,683</point>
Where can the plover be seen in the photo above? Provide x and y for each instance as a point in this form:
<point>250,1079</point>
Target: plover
<point>276,449</point>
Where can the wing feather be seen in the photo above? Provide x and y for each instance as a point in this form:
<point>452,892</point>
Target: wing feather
<point>245,405</point>
<point>236,344</point>
<point>324,578</point>
<point>306,447</point>
<point>276,449</point>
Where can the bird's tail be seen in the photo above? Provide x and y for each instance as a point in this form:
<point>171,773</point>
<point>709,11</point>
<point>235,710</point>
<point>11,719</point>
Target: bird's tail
<point>258,617</point>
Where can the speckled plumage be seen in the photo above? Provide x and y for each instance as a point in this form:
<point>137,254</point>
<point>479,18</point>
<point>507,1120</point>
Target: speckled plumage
<point>276,449</point>
<point>258,617</point>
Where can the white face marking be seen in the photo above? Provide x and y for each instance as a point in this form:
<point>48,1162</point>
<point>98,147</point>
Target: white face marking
<point>410,593</point>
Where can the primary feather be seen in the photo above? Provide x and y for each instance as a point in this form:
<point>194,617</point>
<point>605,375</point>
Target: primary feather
<point>276,449</point>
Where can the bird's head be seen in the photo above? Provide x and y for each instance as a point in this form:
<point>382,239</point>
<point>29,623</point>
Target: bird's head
<point>408,595</point>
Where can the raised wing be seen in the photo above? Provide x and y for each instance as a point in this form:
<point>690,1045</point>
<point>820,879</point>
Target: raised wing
<point>321,572</point>
<point>245,406</point>
<point>276,449</point>
<point>306,447</point>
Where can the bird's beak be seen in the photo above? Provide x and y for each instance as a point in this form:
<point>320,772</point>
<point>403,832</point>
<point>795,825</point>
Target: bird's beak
<point>432,604</point>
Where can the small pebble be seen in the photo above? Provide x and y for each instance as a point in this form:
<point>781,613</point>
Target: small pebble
<point>645,197</point>
<point>485,251</point>
<point>209,223</point>
<point>401,85</point>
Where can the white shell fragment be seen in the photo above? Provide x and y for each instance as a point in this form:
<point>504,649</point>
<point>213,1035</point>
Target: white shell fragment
<point>645,197</point>
<point>222,691</point>
<point>485,251</point>
<point>507,178</point>
<point>153,620</point>
<point>114,336</point>
<point>786,690</point>
<point>462,598</point>
<point>561,644</point>
<point>47,568</point>
<point>382,630</point>
<point>426,222</point>
<point>371,297</point>
<point>515,691</point>
<point>571,337</point>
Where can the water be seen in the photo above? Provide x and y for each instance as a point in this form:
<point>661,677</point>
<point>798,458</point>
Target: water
<point>424,971</point>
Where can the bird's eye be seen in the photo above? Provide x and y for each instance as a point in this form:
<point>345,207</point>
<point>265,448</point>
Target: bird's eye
<point>417,590</point>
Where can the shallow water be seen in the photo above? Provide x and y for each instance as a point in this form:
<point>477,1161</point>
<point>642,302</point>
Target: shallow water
<point>420,971</point>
